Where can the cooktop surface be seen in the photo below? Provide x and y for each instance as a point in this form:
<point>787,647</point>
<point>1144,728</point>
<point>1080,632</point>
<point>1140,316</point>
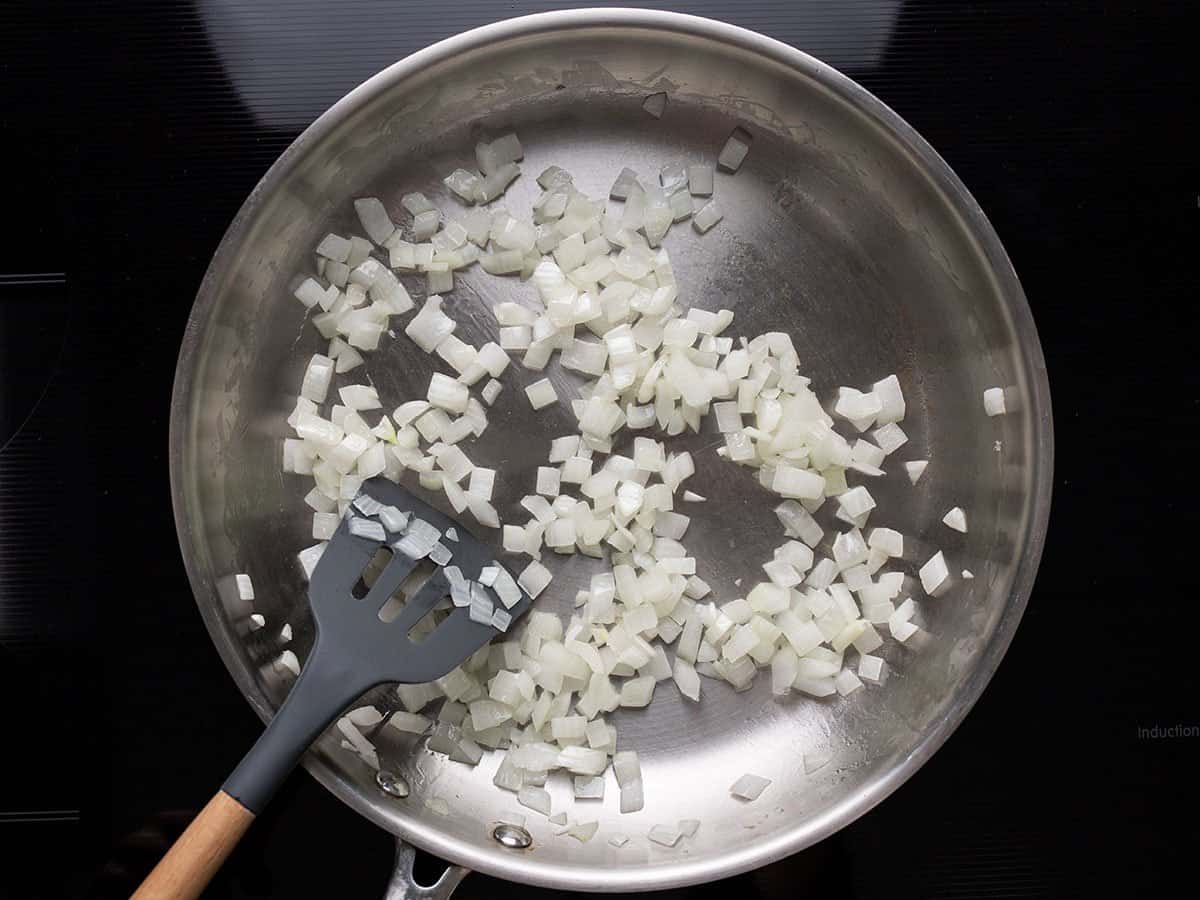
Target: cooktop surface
<point>132,132</point>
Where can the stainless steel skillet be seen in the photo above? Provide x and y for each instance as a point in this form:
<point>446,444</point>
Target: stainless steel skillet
<point>844,228</point>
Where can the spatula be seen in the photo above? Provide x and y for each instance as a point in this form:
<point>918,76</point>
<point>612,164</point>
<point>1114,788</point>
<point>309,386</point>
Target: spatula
<point>354,650</point>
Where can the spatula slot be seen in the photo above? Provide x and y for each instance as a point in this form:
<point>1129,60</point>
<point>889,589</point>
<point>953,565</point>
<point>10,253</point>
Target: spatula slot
<point>413,582</point>
<point>373,570</point>
<point>428,623</point>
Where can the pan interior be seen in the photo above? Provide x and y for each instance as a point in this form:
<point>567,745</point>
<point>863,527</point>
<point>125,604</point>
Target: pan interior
<point>835,231</point>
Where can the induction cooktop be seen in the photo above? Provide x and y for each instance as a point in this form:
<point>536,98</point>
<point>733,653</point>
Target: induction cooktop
<point>132,132</point>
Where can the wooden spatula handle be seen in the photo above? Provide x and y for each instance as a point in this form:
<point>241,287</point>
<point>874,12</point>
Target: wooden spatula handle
<point>193,860</point>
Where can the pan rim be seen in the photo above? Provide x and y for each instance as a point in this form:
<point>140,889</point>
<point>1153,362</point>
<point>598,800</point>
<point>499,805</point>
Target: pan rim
<point>975,224</point>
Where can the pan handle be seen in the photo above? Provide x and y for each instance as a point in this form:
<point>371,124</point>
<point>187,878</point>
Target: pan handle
<point>403,885</point>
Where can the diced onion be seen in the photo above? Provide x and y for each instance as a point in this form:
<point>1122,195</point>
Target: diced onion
<point>707,216</point>
<point>535,798</point>
<point>935,575</point>
<point>815,761</point>
<point>607,299</point>
<point>872,669</point>
<point>541,394</point>
<point>993,402</point>
<point>956,519</point>
<point>665,835</point>
<point>700,180</point>
<point>737,145</point>
<point>655,104</point>
<point>749,787</point>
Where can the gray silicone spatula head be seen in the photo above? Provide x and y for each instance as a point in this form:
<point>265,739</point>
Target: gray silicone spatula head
<point>385,539</point>
<point>386,519</point>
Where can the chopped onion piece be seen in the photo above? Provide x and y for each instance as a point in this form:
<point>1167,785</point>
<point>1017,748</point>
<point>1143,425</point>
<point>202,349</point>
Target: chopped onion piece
<point>334,247</point>
<point>288,662</point>
<point>655,104</point>
<point>707,216</point>
<point>535,798</point>
<point>632,797</point>
<point>737,145</point>
<point>534,579</point>
<point>514,538</point>
<point>553,177</point>
<point>916,469</point>
<point>452,461</point>
<point>993,402</point>
<point>365,528</point>
<point>374,218</point>
<point>700,180</point>
<point>418,540</point>
<point>670,524</point>
<point>803,484</point>
<point>310,292</point>
<point>816,760</point>
<point>887,541</point>
<point>506,589</point>
<point>491,391</point>
<point>890,437</point>
<point>416,203</point>
<point>430,326</point>
<point>494,184</point>
<point>481,485</point>
<point>309,557</point>
<point>901,630</point>
<point>686,679</point>
<point>365,716</point>
<point>956,519</point>
<point>664,835</point>
<point>627,768</point>
<point>409,723</point>
<point>483,511</point>
<point>324,525</point>
<point>410,411</point>
<point>857,406</point>
<point>507,148</point>
<point>244,586</point>
<point>637,691</point>
<point>465,184</point>
<point>687,828</point>
<point>589,787</point>
<point>583,831</point>
<point>872,669</point>
<point>935,575</point>
<point>541,394</point>
<point>548,481</point>
<point>317,377</point>
<point>448,394</point>
<point>846,682</point>
<point>856,502</point>
<point>749,787</point>
<point>502,262</point>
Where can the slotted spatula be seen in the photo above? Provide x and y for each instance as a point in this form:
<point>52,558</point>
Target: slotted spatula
<point>354,651</point>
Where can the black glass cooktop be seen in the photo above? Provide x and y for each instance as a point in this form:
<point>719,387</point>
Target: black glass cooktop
<point>131,132</point>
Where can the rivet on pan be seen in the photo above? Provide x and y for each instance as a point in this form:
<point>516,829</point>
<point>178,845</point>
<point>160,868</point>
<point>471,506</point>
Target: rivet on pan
<point>514,837</point>
<point>391,784</point>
